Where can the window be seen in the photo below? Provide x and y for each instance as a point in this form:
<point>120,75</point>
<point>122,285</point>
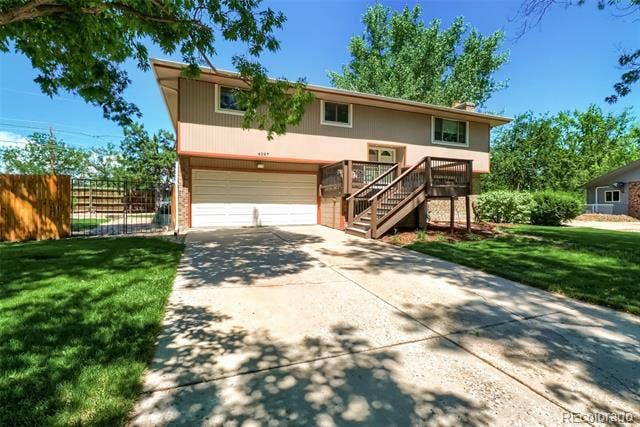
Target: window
<point>612,196</point>
<point>450,132</point>
<point>226,101</point>
<point>335,114</point>
<point>382,154</point>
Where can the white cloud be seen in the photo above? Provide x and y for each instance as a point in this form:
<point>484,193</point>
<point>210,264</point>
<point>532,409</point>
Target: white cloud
<point>10,139</point>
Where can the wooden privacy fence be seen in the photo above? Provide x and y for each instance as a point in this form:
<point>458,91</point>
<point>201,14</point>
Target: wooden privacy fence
<point>34,207</point>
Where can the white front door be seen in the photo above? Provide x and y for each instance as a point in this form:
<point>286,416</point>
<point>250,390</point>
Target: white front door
<point>233,198</point>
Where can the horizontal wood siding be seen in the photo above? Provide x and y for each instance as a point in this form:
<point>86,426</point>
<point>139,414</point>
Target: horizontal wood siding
<point>204,131</point>
<point>330,212</point>
<point>34,207</point>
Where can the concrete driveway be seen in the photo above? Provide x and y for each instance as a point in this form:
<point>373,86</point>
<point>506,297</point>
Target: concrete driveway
<point>307,325</point>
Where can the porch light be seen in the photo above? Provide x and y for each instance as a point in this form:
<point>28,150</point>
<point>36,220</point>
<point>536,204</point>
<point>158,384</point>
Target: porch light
<point>260,165</point>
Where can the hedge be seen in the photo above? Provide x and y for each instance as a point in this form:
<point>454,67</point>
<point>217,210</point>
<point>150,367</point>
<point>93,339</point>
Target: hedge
<point>540,208</point>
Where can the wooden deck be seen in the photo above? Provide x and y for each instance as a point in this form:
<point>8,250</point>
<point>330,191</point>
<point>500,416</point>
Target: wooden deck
<point>379,195</point>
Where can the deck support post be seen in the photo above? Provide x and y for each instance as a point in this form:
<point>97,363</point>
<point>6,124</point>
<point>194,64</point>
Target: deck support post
<point>467,202</point>
<point>453,214</point>
<point>422,215</point>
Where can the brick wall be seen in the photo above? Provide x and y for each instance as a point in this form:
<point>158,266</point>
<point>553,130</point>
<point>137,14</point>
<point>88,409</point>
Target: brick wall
<point>634,199</point>
<point>183,192</point>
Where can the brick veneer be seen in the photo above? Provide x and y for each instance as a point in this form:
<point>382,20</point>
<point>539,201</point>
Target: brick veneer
<point>183,192</point>
<point>634,199</point>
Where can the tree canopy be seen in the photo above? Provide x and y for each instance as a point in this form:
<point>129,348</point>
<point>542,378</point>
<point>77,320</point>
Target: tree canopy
<point>562,151</point>
<point>81,46</point>
<point>146,159</point>
<point>399,56</point>
<point>43,154</point>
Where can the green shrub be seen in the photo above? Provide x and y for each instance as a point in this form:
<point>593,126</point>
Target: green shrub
<point>554,208</point>
<point>504,206</point>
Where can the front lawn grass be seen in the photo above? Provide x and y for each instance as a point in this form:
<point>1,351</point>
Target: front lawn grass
<point>81,224</point>
<point>78,321</point>
<point>597,266</point>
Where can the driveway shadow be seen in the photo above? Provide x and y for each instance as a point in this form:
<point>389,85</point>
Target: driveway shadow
<point>241,258</point>
<point>559,346</point>
<point>357,388</point>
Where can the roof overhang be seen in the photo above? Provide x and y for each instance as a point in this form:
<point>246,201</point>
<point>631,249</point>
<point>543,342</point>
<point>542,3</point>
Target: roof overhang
<point>168,73</point>
<point>609,176</point>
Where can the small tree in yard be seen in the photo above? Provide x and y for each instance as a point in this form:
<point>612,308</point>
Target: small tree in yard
<point>81,46</point>
<point>148,159</point>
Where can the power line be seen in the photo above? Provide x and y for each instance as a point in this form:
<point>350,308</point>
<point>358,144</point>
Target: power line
<point>62,131</point>
<point>47,123</point>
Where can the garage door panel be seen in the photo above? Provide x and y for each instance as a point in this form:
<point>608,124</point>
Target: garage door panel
<point>233,198</point>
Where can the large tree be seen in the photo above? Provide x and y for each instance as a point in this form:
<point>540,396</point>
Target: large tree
<point>561,151</point>
<point>532,12</point>
<point>81,46</point>
<point>44,154</point>
<point>399,56</point>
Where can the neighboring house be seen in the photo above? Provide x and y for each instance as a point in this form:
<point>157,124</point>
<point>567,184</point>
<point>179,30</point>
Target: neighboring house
<point>228,176</point>
<point>617,192</point>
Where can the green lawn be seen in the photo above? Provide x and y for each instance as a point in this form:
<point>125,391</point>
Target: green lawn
<point>78,320</point>
<point>597,266</point>
<point>81,224</point>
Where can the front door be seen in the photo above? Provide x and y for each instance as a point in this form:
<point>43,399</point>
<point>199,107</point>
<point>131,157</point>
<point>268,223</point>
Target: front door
<point>382,154</point>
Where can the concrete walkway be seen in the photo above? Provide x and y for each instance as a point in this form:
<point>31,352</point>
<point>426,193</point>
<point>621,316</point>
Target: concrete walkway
<point>608,225</point>
<point>307,325</point>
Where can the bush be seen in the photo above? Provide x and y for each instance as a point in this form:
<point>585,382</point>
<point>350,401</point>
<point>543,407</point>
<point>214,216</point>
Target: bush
<point>554,208</point>
<point>504,206</point>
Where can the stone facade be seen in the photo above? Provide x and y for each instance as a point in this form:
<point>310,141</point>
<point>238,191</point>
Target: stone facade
<point>634,199</point>
<point>440,210</point>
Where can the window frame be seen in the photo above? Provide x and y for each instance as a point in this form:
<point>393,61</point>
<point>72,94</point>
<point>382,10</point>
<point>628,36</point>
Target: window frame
<point>611,192</point>
<point>331,123</point>
<point>448,143</point>
<point>221,110</point>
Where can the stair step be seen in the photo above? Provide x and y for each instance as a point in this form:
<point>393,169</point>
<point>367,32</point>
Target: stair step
<point>363,224</point>
<point>356,232</point>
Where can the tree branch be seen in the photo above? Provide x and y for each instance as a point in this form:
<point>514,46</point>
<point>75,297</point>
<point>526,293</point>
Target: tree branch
<point>41,8</point>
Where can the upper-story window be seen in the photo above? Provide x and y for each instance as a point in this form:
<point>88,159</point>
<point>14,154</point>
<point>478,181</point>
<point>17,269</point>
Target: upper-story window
<point>450,132</point>
<point>336,114</point>
<point>612,196</point>
<point>226,101</point>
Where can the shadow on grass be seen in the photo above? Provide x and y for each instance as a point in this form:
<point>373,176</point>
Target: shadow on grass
<point>78,320</point>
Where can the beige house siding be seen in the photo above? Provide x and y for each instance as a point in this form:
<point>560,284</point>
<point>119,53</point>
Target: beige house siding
<point>203,131</point>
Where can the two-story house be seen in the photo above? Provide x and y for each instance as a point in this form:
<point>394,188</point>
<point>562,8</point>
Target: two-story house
<point>353,159</point>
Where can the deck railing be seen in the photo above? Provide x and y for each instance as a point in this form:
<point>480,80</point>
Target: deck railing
<point>344,177</point>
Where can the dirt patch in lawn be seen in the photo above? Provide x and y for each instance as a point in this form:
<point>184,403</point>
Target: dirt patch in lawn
<point>440,232</point>
<point>606,218</point>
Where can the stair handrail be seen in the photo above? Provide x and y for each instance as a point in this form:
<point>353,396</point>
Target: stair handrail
<point>351,199</point>
<point>398,179</point>
<point>375,181</point>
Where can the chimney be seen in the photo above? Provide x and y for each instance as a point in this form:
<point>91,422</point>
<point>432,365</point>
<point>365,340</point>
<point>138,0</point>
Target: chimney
<point>466,106</point>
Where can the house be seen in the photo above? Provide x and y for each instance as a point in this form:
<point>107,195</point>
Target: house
<point>355,161</point>
<point>616,192</point>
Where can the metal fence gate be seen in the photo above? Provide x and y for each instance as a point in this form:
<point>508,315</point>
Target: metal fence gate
<point>108,207</point>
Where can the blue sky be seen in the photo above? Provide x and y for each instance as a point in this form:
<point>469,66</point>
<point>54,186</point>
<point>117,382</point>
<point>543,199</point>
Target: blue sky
<point>568,62</point>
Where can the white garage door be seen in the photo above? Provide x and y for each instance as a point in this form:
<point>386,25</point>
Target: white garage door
<point>231,198</point>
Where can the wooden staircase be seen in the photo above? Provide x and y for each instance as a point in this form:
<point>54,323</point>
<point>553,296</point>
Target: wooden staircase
<point>384,202</point>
